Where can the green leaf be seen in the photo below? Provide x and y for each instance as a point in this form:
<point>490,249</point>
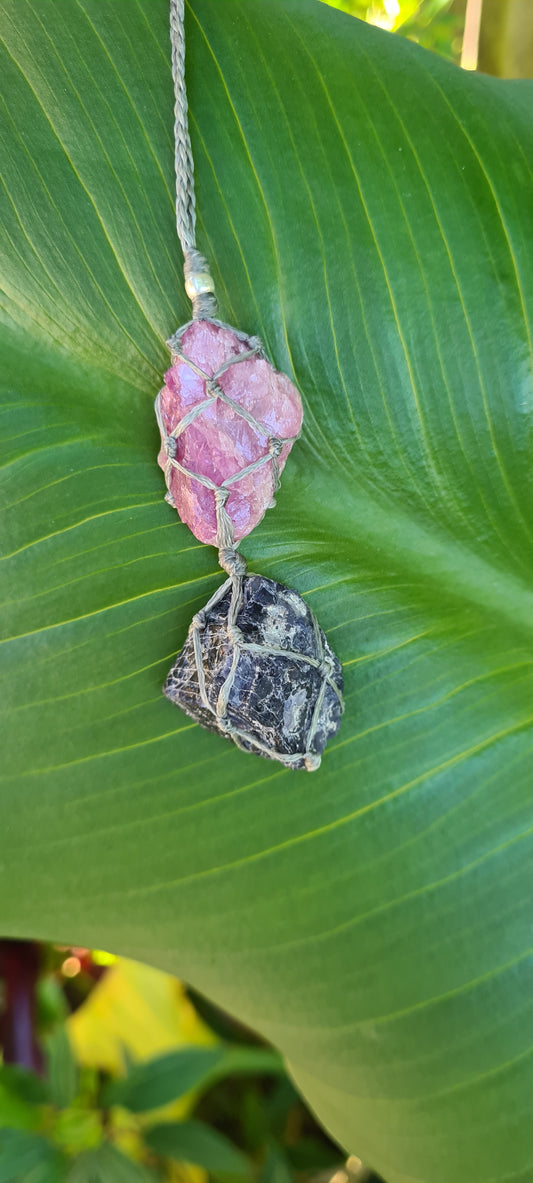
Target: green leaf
<point>367,208</point>
<point>52,1170</point>
<point>23,1084</point>
<point>194,1142</point>
<point>275,1168</point>
<point>239,1060</point>
<point>163,1079</point>
<point>107,1164</point>
<point>78,1128</point>
<point>62,1068</point>
<point>28,1158</point>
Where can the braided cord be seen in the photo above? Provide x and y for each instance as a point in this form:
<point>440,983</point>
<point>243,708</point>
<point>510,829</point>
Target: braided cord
<point>185,204</point>
<point>198,282</point>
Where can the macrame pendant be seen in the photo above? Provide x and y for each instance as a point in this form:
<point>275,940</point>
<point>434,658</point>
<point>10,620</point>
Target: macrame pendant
<point>256,666</point>
<point>228,421</point>
<point>269,681</point>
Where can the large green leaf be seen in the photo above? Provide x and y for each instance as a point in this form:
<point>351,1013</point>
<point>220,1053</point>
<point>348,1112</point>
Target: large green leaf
<point>195,1142</point>
<point>368,210</point>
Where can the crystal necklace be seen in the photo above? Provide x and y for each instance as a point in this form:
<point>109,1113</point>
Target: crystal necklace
<point>256,666</point>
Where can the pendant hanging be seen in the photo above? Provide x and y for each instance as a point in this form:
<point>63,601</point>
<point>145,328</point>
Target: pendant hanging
<point>269,682</point>
<point>228,421</point>
<point>256,666</point>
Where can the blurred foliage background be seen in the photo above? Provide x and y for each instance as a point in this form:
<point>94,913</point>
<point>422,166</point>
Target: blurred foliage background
<point>435,24</point>
<point>113,1072</point>
<point>499,33</point>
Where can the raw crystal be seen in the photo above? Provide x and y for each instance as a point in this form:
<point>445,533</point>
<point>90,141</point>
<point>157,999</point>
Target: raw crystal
<point>272,706</point>
<point>219,442</point>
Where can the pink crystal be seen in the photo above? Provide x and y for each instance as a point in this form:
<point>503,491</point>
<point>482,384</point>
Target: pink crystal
<point>219,442</point>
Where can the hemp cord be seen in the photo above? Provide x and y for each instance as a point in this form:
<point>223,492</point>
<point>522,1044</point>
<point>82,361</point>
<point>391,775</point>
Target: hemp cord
<point>201,291</point>
<point>198,282</point>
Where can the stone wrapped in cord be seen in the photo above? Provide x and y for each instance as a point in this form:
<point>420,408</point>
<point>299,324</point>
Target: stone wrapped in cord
<point>269,681</point>
<point>228,421</point>
<point>256,666</point>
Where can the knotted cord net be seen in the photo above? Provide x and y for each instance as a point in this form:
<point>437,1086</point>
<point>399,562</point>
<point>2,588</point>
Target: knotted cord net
<point>233,562</point>
<point>200,289</point>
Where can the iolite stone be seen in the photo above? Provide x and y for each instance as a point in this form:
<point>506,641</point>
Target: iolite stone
<point>285,700</point>
<point>220,442</point>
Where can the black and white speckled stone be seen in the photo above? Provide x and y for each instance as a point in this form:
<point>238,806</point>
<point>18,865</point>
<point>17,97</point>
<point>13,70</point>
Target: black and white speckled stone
<point>273,697</point>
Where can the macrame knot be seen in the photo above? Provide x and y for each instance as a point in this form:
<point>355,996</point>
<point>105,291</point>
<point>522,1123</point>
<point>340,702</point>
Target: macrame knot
<point>199,285</point>
<point>232,562</point>
<point>221,496</point>
<point>274,450</point>
<point>326,666</point>
<point>257,345</point>
<point>225,536</point>
<point>171,446</point>
<point>212,388</point>
<point>199,619</point>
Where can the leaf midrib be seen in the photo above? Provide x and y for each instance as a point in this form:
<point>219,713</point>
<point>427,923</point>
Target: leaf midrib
<point>434,558</point>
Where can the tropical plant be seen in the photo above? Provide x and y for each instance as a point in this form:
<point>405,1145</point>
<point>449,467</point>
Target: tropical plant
<point>435,24</point>
<point>133,1086</point>
<point>367,209</point>
<point>73,1127</point>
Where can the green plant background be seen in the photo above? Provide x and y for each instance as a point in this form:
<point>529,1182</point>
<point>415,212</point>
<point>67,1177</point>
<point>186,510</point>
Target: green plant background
<point>367,208</point>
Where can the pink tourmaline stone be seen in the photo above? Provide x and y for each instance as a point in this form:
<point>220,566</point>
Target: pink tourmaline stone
<point>219,442</point>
